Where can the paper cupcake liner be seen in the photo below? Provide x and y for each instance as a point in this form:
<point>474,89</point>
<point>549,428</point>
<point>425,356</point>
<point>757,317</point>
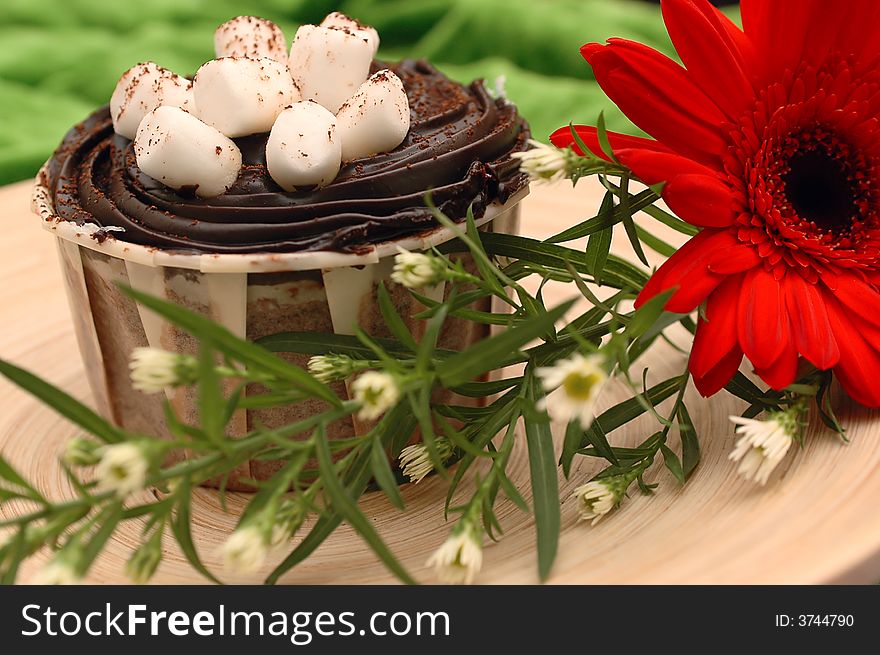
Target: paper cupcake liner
<point>252,295</point>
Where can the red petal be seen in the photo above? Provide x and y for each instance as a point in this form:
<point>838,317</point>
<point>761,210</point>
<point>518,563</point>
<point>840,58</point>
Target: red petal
<point>778,29</point>
<point>783,371</point>
<point>810,328</point>
<point>740,257</point>
<point>709,53</point>
<point>855,294</point>
<point>763,323</point>
<point>787,33</point>
<point>652,167</point>
<point>562,138</point>
<point>716,335</point>
<point>700,200</point>
<point>692,190</point>
<point>714,380</point>
<point>658,96</point>
<point>688,269</point>
<point>859,365</point>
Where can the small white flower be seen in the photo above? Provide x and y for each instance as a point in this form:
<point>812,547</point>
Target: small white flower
<point>545,163</point>
<point>460,557</point>
<point>123,469</point>
<point>153,370</point>
<point>245,550</point>
<point>762,444</point>
<point>329,368</point>
<point>415,460</point>
<point>575,383</point>
<point>56,572</point>
<point>595,499</point>
<point>377,392</point>
<point>416,270</point>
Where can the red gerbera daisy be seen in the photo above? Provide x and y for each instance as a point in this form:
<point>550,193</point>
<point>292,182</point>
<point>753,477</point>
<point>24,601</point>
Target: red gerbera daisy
<point>768,140</point>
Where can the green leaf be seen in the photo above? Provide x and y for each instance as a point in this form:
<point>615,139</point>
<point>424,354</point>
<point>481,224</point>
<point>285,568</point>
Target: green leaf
<point>671,221</point>
<point>570,446</point>
<point>618,272</point>
<point>626,411</point>
<point>690,443</point>
<point>485,355</point>
<point>393,320</point>
<point>599,244</point>
<point>246,352</point>
<point>396,424</point>
<point>505,412</point>
<point>485,389</point>
<point>545,487</point>
<point>180,527</point>
<point>211,405</point>
<point>630,409</point>
<point>107,521</point>
<point>428,346</point>
<point>511,492</point>
<point>347,508</point>
<point>655,243</point>
<point>602,135</point>
<point>8,473</point>
<point>597,438</point>
<point>629,224</point>
<point>67,406</point>
<point>672,462</point>
<point>647,315</point>
<point>604,219</point>
<point>383,474</point>
<point>318,343</point>
<point>741,387</point>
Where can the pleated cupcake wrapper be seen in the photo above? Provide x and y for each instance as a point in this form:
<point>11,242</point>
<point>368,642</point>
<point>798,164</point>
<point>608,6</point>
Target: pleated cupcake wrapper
<point>251,295</point>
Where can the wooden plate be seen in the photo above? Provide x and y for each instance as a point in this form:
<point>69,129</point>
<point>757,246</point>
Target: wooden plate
<point>817,521</point>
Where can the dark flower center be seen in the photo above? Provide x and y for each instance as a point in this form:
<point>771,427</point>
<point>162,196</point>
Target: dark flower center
<point>820,190</point>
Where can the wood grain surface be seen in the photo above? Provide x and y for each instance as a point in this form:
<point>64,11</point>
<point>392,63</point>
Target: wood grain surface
<point>817,520</point>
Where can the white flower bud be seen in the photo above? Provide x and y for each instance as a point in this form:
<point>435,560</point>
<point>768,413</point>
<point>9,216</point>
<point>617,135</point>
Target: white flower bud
<point>416,270</point>
<point>377,392</point>
<point>245,550</point>
<point>575,383</point>
<point>762,444</point>
<point>415,460</point>
<point>460,557</point>
<point>123,469</point>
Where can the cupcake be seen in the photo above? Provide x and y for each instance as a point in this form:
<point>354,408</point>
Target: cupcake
<point>270,193</point>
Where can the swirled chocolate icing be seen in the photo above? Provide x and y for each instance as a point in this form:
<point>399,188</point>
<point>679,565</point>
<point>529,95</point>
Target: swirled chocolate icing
<point>458,148</point>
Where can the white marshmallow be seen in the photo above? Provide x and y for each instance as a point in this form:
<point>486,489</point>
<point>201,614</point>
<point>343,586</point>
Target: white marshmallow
<point>141,89</point>
<point>375,119</point>
<point>329,64</point>
<point>250,36</point>
<point>177,149</point>
<point>241,96</point>
<point>303,148</point>
<point>338,20</point>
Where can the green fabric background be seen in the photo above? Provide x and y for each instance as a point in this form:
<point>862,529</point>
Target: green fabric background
<point>59,59</point>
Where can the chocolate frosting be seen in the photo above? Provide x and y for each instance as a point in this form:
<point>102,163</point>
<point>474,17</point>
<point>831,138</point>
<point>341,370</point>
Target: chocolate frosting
<point>459,148</point>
